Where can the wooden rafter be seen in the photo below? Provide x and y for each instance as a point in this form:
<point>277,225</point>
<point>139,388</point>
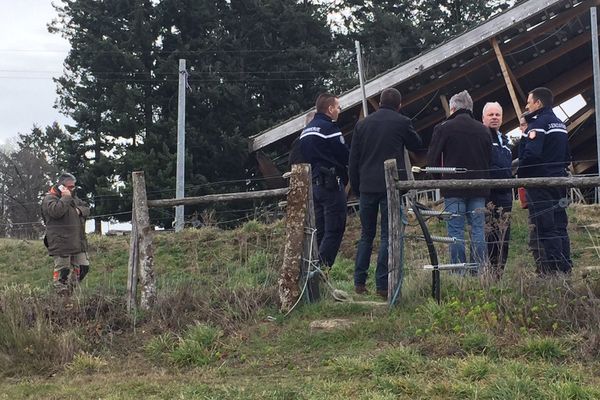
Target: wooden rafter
<point>445,105</point>
<point>507,79</point>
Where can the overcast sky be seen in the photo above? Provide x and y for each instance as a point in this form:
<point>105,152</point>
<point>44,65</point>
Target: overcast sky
<point>29,58</point>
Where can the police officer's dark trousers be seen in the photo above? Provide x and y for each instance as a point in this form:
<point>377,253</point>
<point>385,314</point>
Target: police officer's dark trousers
<point>550,219</point>
<point>330,215</point>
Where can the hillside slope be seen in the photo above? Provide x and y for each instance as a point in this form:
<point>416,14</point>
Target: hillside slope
<point>216,332</point>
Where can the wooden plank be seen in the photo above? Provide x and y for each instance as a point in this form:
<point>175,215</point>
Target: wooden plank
<point>445,105</point>
<point>416,65</point>
<point>516,84</point>
<point>559,51</point>
<point>581,119</point>
<point>506,75</point>
<point>146,247</point>
<point>500,183</point>
<point>394,231</point>
<point>219,198</point>
<point>288,288</point>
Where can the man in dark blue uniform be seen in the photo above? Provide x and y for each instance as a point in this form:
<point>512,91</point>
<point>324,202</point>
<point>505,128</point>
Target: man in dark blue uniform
<point>497,230</point>
<point>544,152</point>
<point>322,146</point>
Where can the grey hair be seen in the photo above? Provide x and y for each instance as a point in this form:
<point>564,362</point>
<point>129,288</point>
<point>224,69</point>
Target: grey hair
<point>491,103</point>
<point>461,101</point>
<point>64,177</point>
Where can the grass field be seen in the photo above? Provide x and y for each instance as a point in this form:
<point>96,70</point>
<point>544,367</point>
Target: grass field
<point>216,332</point>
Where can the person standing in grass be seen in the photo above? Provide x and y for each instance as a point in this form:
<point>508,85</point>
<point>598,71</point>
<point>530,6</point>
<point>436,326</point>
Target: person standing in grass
<point>64,215</point>
<point>322,146</point>
<point>381,136</point>
<point>500,200</point>
<point>462,141</point>
<point>544,152</point>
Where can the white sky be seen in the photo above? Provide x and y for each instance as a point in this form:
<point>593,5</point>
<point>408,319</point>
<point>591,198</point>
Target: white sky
<point>29,57</point>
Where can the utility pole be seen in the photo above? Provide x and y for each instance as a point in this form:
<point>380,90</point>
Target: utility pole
<point>596,68</point>
<point>361,77</point>
<point>180,192</point>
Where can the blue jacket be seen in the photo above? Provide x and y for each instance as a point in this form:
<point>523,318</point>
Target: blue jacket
<point>500,163</point>
<point>322,145</point>
<point>500,168</point>
<point>544,148</point>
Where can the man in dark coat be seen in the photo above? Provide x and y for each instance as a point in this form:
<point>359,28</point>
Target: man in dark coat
<point>499,203</point>
<point>463,142</point>
<point>380,136</point>
<point>64,215</point>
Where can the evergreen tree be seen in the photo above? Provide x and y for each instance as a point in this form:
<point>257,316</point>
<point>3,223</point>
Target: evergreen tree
<point>106,88</point>
<point>391,32</point>
<point>251,64</point>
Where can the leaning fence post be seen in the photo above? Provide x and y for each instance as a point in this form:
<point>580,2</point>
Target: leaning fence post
<point>146,248</point>
<point>297,200</point>
<point>310,252</point>
<point>132,267</point>
<point>394,228</point>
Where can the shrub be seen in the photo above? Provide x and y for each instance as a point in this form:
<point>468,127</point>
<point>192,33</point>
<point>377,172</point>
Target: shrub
<point>543,348</point>
<point>84,363</point>
<point>398,361</point>
<point>477,342</point>
<point>198,347</point>
<point>160,346</point>
<point>476,368</point>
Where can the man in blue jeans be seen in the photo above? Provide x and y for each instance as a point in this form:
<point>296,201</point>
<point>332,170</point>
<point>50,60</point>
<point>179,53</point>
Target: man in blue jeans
<point>462,141</point>
<point>381,136</point>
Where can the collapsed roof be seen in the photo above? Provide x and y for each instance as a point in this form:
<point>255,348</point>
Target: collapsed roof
<point>535,43</point>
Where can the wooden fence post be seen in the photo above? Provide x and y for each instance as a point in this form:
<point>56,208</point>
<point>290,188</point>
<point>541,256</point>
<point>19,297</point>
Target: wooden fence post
<point>394,228</point>
<point>132,267</point>
<point>146,248</point>
<point>297,199</point>
<point>310,250</point>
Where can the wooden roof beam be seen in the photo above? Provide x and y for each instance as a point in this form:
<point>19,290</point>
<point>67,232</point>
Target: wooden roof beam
<point>507,79</point>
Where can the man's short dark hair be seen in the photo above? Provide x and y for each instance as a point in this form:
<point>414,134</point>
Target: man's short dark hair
<point>324,101</point>
<point>544,95</point>
<point>390,97</point>
<point>65,177</point>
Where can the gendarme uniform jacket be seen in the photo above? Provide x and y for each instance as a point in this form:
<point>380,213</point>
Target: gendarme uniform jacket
<point>322,145</point>
<point>380,136</point>
<point>65,228</point>
<point>544,148</point>
<point>500,168</point>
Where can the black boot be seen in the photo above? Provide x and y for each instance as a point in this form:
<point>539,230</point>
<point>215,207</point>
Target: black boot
<point>83,271</point>
<point>61,280</point>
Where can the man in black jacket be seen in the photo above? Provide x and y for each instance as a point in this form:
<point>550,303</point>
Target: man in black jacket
<point>463,142</point>
<point>380,136</point>
<point>499,203</point>
<point>322,146</point>
<point>544,152</point>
